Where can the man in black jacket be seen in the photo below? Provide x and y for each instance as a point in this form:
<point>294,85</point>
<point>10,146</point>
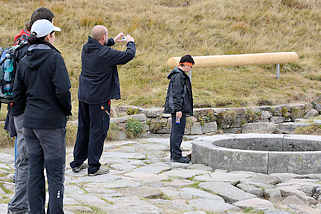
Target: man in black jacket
<point>179,103</point>
<point>41,88</point>
<point>98,84</point>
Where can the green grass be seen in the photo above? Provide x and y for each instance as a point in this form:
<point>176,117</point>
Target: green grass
<point>309,130</point>
<point>164,28</point>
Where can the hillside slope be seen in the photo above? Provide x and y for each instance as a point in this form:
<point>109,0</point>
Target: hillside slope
<point>166,28</point>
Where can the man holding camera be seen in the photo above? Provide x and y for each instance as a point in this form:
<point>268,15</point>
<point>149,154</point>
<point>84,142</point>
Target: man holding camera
<point>98,84</point>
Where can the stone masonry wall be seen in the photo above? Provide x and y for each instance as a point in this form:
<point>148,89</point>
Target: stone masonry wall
<point>260,119</point>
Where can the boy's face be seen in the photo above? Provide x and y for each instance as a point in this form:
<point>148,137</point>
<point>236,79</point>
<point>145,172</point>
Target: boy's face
<point>186,68</point>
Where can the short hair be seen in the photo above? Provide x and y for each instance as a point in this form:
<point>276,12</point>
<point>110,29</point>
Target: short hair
<point>187,58</point>
<point>41,13</point>
<point>98,32</point>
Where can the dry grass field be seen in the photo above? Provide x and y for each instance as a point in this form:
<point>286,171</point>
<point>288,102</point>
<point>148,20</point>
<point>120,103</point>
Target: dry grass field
<point>166,28</point>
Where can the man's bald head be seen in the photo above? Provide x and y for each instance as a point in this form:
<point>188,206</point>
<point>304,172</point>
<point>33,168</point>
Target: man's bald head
<point>98,32</point>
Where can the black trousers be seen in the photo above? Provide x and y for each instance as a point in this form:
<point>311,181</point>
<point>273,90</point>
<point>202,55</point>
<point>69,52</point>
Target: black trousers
<point>177,133</point>
<point>46,149</point>
<point>93,125</point>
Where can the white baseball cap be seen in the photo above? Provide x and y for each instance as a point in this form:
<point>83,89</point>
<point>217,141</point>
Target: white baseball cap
<point>43,27</point>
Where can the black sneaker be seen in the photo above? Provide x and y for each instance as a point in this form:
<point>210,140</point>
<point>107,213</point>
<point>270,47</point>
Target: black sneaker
<point>79,168</point>
<point>316,192</point>
<point>182,160</point>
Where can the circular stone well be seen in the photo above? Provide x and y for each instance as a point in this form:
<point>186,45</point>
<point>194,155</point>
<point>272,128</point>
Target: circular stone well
<point>264,153</point>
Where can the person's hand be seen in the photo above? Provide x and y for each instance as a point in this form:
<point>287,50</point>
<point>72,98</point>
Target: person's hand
<point>119,37</point>
<point>178,115</point>
<point>129,38</point>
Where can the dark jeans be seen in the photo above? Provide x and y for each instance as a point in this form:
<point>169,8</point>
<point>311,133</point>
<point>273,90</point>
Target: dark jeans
<point>93,125</point>
<point>19,201</point>
<point>177,133</point>
<point>46,149</point>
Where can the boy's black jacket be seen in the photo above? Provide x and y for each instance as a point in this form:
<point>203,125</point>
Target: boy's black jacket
<point>179,93</point>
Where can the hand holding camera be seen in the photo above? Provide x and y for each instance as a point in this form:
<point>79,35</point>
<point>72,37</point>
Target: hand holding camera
<point>122,38</point>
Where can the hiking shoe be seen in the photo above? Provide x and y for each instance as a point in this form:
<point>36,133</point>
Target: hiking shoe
<point>79,168</point>
<point>13,178</point>
<point>182,160</point>
<point>100,171</point>
<point>316,192</point>
<point>18,211</point>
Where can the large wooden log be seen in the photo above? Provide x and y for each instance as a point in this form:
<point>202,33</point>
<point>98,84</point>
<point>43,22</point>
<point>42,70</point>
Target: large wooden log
<point>241,59</point>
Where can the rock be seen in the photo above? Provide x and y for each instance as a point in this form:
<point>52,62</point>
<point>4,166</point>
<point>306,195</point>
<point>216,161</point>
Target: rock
<point>184,173</point>
<point>123,155</point>
<point>290,127</point>
<point>277,119</point>
<point>265,116</point>
<point>195,212</point>
<point>276,212</point>
<point>227,191</point>
<point>289,191</point>
<point>196,128</point>
<point>259,127</point>
<point>284,177</point>
<point>211,205</point>
<point>232,178</point>
<point>159,125</point>
<point>251,189</point>
<point>155,168</point>
<point>298,205</point>
<point>265,179</point>
<point>76,209</point>
<point>153,112</point>
<point>192,193</point>
<point>311,113</point>
<point>255,203</point>
<point>316,103</point>
<point>209,127</point>
<point>131,205</point>
<point>273,195</point>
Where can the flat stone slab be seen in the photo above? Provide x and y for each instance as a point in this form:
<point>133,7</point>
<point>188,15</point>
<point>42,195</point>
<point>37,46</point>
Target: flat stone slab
<point>184,173</point>
<point>131,205</point>
<point>111,155</point>
<point>192,193</point>
<point>155,168</point>
<point>211,205</point>
<point>255,203</point>
<point>223,177</point>
<point>227,191</point>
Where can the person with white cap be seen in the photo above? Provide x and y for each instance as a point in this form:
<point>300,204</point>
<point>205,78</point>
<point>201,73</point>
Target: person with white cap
<point>42,85</point>
<point>19,201</point>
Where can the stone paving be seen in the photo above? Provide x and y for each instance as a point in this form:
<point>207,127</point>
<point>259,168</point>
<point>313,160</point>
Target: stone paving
<point>142,180</point>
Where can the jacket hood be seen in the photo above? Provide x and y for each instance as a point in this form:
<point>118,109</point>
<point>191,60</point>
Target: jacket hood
<point>91,45</point>
<point>174,71</point>
<point>38,53</point>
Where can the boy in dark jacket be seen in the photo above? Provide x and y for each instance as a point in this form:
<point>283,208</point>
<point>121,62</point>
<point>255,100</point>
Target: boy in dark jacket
<point>41,88</point>
<point>179,103</point>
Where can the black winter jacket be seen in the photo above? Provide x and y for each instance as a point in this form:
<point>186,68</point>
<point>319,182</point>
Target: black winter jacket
<point>41,87</point>
<point>179,93</point>
<point>20,53</point>
<point>98,81</point>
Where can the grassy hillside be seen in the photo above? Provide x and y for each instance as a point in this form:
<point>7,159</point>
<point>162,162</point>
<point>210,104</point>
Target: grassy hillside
<point>166,28</point>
